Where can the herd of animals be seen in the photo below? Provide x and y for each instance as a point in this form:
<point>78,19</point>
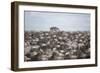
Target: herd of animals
<point>56,45</point>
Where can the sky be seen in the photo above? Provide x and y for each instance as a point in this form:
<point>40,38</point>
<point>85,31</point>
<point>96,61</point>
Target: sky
<point>42,21</point>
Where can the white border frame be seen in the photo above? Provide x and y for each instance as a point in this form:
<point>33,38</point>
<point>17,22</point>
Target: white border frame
<point>34,64</point>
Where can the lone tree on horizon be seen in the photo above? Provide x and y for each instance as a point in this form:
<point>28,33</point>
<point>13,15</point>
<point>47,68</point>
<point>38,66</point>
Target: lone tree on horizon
<point>54,29</point>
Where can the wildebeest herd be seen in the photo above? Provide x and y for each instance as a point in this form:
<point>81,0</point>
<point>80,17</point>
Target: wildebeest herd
<point>56,45</point>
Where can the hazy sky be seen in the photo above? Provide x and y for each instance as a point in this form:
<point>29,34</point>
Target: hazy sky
<point>42,21</point>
